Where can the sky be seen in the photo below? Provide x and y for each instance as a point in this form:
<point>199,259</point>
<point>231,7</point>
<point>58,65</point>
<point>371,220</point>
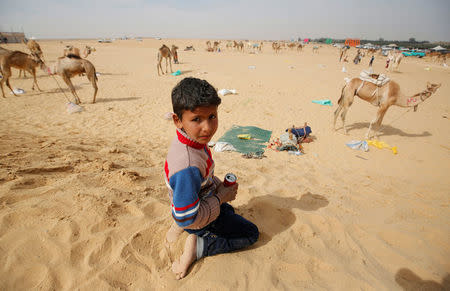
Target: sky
<point>229,19</point>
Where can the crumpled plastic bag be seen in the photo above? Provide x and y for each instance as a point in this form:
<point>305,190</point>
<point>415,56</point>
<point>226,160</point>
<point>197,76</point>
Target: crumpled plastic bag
<point>222,146</point>
<point>323,102</point>
<point>358,145</point>
<point>177,73</point>
<point>73,108</point>
<point>18,91</point>
<point>224,92</point>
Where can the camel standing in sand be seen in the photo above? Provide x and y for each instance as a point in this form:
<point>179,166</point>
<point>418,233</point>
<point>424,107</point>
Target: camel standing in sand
<point>22,61</point>
<point>164,52</point>
<point>276,47</point>
<point>291,46</point>
<point>383,97</point>
<point>216,46</point>
<point>238,45</point>
<point>343,52</point>
<point>73,65</point>
<point>174,54</point>
<point>315,49</point>
<point>395,59</point>
<point>299,47</point>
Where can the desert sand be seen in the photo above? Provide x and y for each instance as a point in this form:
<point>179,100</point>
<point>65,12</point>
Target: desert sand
<point>84,206</point>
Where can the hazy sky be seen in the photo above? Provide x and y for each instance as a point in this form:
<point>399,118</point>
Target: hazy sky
<point>246,19</point>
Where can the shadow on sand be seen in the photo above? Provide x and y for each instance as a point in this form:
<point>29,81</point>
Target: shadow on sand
<point>386,130</point>
<point>410,281</point>
<point>273,214</point>
<point>100,100</point>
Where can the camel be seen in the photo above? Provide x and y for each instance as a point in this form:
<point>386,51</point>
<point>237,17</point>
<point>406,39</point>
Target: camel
<point>164,52</point>
<point>174,54</point>
<point>276,47</point>
<point>88,50</point>
<point>291,45</point>
<point>395,59</point>
<point>315,49</point>
<point>22,61</point>
<point>71,50</point>
<point>208,45</point>
<point>299,47</point>
<point>229,45</point>
<point>34,47</point>
<point>383,97</point>
<point>73,65</point>
<point>216,46</point>
<point>238,45</point>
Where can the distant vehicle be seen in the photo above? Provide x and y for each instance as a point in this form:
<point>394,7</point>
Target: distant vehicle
<point>158,38</point>
<point>414,54</point>
<point>104,40</point>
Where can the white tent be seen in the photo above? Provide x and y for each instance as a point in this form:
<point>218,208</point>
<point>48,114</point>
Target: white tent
<point>439,48</point>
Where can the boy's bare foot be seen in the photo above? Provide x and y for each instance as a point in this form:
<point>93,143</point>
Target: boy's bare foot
<point>173,233</point>
<point>180,266</point>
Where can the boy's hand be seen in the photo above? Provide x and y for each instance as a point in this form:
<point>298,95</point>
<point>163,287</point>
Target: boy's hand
<point>227,194</point>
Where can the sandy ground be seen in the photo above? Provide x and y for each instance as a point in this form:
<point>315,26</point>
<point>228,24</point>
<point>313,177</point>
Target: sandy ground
<point>83,204</point>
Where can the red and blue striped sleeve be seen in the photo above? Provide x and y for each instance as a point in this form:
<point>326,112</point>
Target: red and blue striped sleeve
<point>186,185</point>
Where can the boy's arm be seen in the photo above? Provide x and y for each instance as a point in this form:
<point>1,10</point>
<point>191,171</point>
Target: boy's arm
<point>188,210</point>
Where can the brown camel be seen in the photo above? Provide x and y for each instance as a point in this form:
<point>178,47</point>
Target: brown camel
<point>216,46</point>
<point>238,45</point>
<point>174,54</point>
<point>291,46</point>
<point>383,97</point>
<point>73,65</point>
<point>164,52</point>
<point>276,47</point>
<point>22,61</point>
<point>299,47</point>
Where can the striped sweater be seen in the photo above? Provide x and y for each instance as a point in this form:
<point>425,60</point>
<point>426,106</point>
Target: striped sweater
<point>189,175</point>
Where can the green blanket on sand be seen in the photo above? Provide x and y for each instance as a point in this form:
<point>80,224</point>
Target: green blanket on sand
<point>256,144</point>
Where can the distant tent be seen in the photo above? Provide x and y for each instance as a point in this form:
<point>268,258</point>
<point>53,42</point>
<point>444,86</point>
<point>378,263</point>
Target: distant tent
<point>328,41</point>
<point>439,48</point>
<point>392,45</point>
<point>306,40</point>
<point>12,37</point>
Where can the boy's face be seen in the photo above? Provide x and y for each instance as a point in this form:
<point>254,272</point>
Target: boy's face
<point>200,124</point>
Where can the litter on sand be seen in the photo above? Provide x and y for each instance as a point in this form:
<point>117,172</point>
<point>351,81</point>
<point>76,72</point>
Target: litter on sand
<point>344,70</point>
<point>18,91</point>
<point>382,145</point>
<point>168,115</point>
<point>177,73</point>
<point>73,108</point>
<point>222,146</point>
<point>358,145</point>
<point>323,102</point>
<point>224,92</point>
<point>244,136</point>
<point>252,67</point>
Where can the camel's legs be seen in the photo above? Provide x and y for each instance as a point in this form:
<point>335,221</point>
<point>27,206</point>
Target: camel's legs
<point>91,78</point>
<point>72,88</point>
<point>170,63</point>
<point>33,72</point>
<point>344,105</point>
<point>7,74</point>
<point>377,120</point>
<point>24,74</point>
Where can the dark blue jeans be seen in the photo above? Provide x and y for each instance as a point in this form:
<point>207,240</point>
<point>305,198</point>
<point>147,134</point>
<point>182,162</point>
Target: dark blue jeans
<point>229,232</point>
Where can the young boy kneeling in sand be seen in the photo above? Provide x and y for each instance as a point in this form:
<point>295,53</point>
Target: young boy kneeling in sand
<point>199,199</point>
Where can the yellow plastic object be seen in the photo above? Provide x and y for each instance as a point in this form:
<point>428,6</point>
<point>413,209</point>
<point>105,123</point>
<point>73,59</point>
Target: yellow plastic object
<point>381,145</point>
<point>244,136</point>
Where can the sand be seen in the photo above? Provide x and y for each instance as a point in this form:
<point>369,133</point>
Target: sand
<point>83,203</point>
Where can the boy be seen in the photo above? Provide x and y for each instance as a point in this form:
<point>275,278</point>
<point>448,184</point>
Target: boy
<point>199,199</point>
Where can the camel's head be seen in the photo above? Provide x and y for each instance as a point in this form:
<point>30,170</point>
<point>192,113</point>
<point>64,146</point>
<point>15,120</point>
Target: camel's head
<point>174,47</point>
<point>37,59</point>
<point>432,87</point>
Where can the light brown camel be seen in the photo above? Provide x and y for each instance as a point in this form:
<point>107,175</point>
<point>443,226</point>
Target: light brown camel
<point>73,65</point>
<point>22,61</point>
<point>34,48</point>
<point>88,50</point>
<point>164,52</point>
<point>383,97</point>
<point>315,49</point>
<point>174,54</point>
<point>71,50</point>
<point>208,45</point>
<point>395,59</point>
<point>291,46</point>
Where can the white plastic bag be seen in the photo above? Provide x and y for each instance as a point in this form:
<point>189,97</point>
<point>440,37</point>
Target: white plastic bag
<point>72,108</point>
<point>222,146</point>
<point>358,145</point>
<point>224,92</point>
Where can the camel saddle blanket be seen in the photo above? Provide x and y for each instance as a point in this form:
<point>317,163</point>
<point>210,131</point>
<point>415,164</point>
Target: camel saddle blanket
<point>377,79</point>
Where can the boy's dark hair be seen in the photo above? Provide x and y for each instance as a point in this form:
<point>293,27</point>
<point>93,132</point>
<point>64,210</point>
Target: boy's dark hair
<point>191,93</point>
